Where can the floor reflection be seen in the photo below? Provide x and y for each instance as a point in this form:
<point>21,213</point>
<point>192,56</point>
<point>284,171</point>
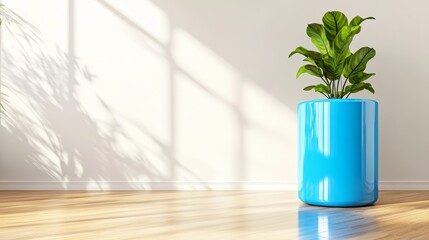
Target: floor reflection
<point>328,223</point>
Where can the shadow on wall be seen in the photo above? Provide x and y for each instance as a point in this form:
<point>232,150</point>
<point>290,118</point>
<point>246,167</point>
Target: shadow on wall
<point>261,104</point>
<point>40,125</point>
<point>232,55</point>
<point>251,36</point>
<point>256,39</point>
<point>231,112</point>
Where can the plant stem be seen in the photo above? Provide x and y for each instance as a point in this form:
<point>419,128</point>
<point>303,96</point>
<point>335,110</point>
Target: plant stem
<point>348,95</point>
<point>338,84</point>
<point>344,85</point>
<point>325,81</point>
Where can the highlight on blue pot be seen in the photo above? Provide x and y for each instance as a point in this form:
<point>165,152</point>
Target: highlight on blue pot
<point>341,71</point>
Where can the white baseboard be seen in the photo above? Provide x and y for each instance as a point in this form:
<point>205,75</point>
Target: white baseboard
<point>404,185</point>
<point>105,186</point>
<point>49,185</point>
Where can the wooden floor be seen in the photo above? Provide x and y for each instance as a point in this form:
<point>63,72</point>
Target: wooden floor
<point>206,215</point>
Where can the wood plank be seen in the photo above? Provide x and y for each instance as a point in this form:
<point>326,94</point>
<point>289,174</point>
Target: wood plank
<point>206,215</point>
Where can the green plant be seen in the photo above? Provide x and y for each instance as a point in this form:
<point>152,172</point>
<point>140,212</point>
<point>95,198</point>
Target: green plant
<point>334,63</point>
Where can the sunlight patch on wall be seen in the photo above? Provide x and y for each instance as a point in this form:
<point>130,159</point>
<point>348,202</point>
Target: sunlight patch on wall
<point>144,14</point>
<point>205,67</point>
<point>270,135</point>
<point>207,121</point>
<point>207,132</point>
<point>132,78</point>
<point>52,23</point>
<point>131,97</point>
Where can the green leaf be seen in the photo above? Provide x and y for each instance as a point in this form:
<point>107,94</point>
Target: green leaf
<point>354,88</point>
<point>357,87</point>
<point>334,65</point>
<point>356,21</point>
<point>360,77</point>
<point>310,69</point>
<point>301,50</point>
<point>343,40</point>
<point>315,58</point>
<point>333,22</point>
<point>358,61</point>
<point>346,62</point>
<point>347,89</point>
<point>329,67</point>
<point>322,88</point>
<point>312,61</point>
<point>341,48</point>
<point>311,56</point>
<point>318,37</point>
<point>369,87</point>
<point>308,88</point>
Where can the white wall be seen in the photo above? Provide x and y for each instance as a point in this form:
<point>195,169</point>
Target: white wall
<point>191,94</point>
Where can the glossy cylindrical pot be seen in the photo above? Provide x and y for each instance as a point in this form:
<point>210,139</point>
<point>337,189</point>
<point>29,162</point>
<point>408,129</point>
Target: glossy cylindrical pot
<point>338,152</point>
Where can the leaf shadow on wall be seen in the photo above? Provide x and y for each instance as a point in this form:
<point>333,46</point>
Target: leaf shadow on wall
<point>262,106</point>
<point>49,134</point>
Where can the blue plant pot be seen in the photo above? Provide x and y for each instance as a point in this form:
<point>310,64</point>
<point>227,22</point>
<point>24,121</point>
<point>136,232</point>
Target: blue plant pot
<point>338,152</point>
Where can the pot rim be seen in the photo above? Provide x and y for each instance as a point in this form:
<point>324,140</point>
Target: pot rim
<point>339,100</point>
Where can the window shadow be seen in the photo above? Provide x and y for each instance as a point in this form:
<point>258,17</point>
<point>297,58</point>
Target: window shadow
<point>41,125</point>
